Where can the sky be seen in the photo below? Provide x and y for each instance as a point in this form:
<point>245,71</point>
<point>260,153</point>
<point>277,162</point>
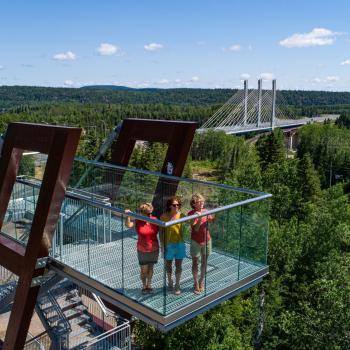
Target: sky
<point>303,44</point>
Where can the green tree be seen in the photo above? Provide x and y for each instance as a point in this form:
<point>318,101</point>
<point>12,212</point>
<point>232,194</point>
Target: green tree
<point>271,148</point>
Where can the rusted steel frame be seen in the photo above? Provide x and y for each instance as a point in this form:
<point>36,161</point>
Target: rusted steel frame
<point>60,144</point>
<point>179,137</point>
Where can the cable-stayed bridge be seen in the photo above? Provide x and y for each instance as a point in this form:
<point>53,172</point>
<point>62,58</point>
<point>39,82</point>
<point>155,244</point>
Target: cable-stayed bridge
<point>255,110</point>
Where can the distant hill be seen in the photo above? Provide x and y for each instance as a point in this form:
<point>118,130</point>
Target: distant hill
<point>107,87</point>
<point>16,96</point>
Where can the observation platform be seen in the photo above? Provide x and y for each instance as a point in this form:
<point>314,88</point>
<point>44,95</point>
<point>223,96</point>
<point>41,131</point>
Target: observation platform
<point>94,248</point>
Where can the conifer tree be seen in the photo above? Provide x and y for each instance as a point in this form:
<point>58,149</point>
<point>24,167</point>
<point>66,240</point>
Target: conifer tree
<point>271,148</point>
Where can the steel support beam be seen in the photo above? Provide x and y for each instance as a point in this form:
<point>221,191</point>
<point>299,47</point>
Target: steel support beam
<point>179,137</point>
<point>60,144</point>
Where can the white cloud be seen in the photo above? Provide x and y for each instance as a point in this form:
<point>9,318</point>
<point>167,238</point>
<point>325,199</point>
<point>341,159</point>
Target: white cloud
<point>332,78</point>
<point>317,37</point>
<point>1,67</point>
<point>235,48</point>
<point>163,81</point>
<point>143,85</point>
<point>266,76</point>
<point>106,49</point>
<point>329,79</point>
<point>316,80</point>
<point>65,56</point>
<point>245,76</point>
<point>68,82</point>
<point>177,81</point>
<point>250,47</point>
<point>194,79</point>
<point>345,62</point>
<point>153,47</point>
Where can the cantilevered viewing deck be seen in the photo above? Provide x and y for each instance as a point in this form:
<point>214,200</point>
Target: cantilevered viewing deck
<point>95,249</point>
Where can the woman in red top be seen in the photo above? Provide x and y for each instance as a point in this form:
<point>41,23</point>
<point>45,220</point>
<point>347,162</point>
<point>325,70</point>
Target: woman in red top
<point>201,246</point>
<point>147,245</point>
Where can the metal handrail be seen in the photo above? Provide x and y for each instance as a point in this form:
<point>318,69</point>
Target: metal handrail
<point>169,177</point>
<point>120,212</point>
<point>61,315</point>
<point>105,335</point>
<point>35,339</point>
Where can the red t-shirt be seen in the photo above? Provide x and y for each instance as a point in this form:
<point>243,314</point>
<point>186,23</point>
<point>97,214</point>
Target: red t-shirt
<point>202,235</point>
<point>147,236</point>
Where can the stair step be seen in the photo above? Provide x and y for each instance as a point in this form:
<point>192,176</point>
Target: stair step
<point>82,321</point>
<point>48,309</point>
<point>53,319</point>
<point>75,299</point>
<point>70,306</point>
<point>79,332</point>
<point>80,307</point>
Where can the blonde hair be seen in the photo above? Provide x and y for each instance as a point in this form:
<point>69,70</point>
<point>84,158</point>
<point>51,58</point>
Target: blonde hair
<point>146,207</point>
<point>195,198</point>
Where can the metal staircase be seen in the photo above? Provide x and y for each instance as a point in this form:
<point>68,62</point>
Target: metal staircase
<point>7,293</point>
<point>64,316</point>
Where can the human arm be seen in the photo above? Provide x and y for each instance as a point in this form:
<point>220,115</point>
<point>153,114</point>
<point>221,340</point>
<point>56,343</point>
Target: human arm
<point>211,218</point>
<point>128,222</point>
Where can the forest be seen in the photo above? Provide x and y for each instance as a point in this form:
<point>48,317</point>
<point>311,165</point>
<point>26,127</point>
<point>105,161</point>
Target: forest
<point>305,299</point>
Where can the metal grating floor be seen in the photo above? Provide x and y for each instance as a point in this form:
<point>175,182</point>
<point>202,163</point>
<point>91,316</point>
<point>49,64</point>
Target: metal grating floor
<point>108,261</point>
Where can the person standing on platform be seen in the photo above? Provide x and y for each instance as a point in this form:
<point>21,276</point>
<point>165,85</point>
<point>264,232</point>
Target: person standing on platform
<point>201,243</point>
<point>147,245</point>
<point>172,239</point>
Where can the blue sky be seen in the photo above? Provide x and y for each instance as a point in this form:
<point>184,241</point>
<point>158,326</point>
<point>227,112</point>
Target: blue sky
<point>304,44</point>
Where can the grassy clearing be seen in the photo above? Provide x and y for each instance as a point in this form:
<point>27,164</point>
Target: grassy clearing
<point>204,170</point>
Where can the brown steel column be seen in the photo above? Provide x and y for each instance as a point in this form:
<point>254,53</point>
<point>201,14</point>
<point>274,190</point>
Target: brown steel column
<point>179,137</point>
<point>60,144</point>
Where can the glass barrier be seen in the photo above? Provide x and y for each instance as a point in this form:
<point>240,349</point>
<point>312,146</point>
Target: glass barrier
<point>164,261</point>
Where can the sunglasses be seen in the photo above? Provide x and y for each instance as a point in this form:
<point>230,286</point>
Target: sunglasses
<point>176,205</point>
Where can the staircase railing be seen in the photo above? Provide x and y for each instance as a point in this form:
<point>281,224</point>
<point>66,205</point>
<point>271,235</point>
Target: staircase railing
<point>116,338</point>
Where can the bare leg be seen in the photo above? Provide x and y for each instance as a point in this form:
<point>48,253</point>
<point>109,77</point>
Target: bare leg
<point>143,275</point>
<point>195,273</point>
<point>204,263</point>
<point>169,271</point>
<point>149,276</point>
<point>178,265</point>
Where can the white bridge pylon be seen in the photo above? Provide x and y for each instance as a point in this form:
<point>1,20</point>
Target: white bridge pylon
<point>251,110</point>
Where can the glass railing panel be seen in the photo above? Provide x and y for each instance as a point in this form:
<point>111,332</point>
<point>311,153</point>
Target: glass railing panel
<point>23,201</point>
<point>254,233</point>
<point>143,264</point>
<point>222,269</point>
<point>20,212</point>
<point>93,238</point>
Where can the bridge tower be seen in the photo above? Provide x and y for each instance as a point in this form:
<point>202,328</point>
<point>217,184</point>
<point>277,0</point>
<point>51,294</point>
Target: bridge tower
<point>245,102</point>
<point>259,101</point>
<point>273,114</point>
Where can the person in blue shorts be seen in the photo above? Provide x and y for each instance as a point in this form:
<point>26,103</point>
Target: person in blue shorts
<point>172,239</point>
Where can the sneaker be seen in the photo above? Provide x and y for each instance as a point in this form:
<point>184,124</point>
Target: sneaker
<point>150,290</point>
<point>144,290</point>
